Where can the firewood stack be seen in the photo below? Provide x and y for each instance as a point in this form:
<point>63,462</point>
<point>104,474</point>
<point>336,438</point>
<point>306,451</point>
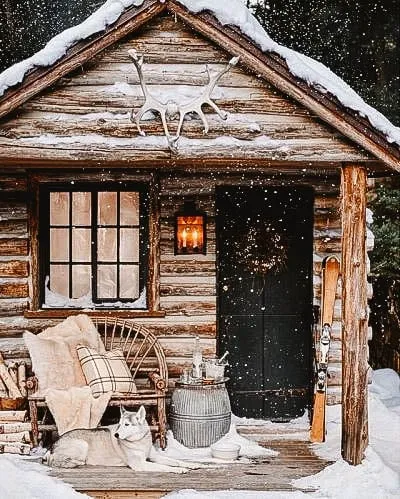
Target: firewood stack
<point>14,427</point>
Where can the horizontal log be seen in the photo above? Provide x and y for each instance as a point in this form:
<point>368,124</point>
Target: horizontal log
<point>199,184</point>
<point>14,427</point>
<point>13,247</point>
<point>22,436</point>
<point>327,245</point>
<point>8,416</point>
<point>13,210</point>
<point>10,307</point>
<point>13,290</point>
<point>151,151</point>
<point>193,267</point>
<point>183,347</point>
<point>15,448</point>
<point>16,228</point>
<point>187,290</point>
<point>333,396</point>
<point>14,268</point>
<point>179,306</point>
<point>240,126</point>
<point>12,184</point>
<point>107,73</point>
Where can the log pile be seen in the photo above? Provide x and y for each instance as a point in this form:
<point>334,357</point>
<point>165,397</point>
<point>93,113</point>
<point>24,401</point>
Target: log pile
<point>14,429</point>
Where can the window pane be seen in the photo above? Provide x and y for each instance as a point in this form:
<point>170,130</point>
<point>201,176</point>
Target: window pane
<point>129,245</point>
<point>107,245</point>
<point>59,279</point>
<point>107,281</point>
<point>129,208</point>
<point>81,284</point>
<point>107,208</point>
<point>129,281</point>
<point>59,245</point>
<point>59,208</point>
<point>81,208</point>
<point>81,245</point>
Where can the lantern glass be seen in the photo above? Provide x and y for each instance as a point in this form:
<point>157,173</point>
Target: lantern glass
<point>190,233</point>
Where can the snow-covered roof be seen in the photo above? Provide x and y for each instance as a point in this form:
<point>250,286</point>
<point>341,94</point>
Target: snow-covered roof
<point>232,12</point>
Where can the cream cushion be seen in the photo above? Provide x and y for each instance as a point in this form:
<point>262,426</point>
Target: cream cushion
<point>106,372</point>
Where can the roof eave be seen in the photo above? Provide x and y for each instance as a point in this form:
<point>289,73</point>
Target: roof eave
<point>274,69</point>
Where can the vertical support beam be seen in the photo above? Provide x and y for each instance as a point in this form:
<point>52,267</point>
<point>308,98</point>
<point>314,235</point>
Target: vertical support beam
<point>154,242</point>
<point>354,315</point>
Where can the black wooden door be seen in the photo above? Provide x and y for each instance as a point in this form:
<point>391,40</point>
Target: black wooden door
<point>264,263</point>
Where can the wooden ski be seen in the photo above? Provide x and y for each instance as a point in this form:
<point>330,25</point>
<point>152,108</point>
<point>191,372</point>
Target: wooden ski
<point>330,276</point>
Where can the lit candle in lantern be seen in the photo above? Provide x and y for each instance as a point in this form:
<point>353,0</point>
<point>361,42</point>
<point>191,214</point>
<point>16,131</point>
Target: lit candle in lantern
<point>194,237</point>
<point>184,236</point>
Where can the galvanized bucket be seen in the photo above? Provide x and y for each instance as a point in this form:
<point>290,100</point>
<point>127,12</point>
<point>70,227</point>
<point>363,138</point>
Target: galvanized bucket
<point>200,414</point>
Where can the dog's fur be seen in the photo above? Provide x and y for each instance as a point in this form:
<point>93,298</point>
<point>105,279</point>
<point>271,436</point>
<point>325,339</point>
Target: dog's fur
<point>127,443</point>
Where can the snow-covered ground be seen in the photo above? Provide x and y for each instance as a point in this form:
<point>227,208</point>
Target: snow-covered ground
<point>378,477</point>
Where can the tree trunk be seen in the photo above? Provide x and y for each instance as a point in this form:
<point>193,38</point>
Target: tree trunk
<point>354,315</point>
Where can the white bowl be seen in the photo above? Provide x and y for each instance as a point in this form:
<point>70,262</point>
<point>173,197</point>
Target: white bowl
<point>226,451</point>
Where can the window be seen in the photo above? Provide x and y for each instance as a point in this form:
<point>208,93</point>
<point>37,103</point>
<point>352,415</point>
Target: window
<point>93,246</point>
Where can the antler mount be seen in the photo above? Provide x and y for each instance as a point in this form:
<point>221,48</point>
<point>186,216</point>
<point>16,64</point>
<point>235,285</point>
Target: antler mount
<point>171,109</point>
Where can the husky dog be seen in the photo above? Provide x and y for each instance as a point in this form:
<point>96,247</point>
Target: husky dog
<point>127,443</point>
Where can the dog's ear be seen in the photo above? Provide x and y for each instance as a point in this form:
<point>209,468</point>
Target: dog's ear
<point>141,414</point>
<point>122,410</point>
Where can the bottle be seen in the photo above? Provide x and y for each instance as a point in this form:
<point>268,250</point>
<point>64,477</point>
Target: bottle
<point>197,359</point>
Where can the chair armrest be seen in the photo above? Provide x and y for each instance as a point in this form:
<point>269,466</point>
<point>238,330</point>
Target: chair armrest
<point>32,385</point>
<point>159,382</point>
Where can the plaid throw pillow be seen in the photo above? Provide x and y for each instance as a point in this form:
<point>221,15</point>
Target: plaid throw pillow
<point>105,373</point>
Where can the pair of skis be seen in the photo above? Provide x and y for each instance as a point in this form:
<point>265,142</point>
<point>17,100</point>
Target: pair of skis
<point>330,276</point>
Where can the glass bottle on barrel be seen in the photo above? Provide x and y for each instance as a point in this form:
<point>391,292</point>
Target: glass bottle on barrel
<point>197,360</point>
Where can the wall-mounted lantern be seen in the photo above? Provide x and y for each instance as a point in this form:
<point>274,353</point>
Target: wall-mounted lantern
<point>190,230</point>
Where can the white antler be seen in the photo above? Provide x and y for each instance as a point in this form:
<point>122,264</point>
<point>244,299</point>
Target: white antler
<point>195,106</point>
<point>171,108</point>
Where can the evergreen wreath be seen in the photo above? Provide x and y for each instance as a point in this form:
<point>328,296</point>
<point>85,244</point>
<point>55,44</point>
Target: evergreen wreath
<point>263,250</point>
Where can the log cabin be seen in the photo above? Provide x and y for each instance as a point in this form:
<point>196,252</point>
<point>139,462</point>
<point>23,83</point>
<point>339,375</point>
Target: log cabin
<point>109,204</point>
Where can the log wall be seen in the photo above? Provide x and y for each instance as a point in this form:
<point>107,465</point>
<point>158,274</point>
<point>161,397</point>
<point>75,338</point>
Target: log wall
<point>187,282</point>
<point>84,120</point>
<point>85,116</point>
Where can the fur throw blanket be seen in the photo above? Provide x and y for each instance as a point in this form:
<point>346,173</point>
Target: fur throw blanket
<point>59,372</point>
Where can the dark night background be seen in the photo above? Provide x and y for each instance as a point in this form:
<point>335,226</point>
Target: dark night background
<point>358,39</point>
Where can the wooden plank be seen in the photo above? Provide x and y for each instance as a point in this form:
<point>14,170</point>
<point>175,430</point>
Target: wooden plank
<point>16,228</point>
<point>355,315</point>
<point>13,247</point>
<point>10,307</point>
<point>294,459</point>
<point>13,290</point>
<point>11,184</point>
<point>240,128</point>
<point>192,73</point>
<point>14,268</point>
<point>12,210</point>
<point>136,150</point>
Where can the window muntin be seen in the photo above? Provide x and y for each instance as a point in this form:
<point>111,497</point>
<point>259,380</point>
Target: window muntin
<point>94,247</point>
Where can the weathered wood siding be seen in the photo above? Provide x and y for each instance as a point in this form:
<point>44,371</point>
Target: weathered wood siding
<point>84,121</point>
<point>187,283</point>
<point>85,117</point>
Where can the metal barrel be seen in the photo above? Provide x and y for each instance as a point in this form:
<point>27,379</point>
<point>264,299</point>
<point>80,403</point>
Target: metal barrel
<point>200,414</point>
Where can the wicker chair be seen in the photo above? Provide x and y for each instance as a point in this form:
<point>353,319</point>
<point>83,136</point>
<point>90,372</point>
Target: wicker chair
<point>146,360</point>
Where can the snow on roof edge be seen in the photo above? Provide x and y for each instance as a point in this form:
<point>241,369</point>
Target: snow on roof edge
<point>235,13</point>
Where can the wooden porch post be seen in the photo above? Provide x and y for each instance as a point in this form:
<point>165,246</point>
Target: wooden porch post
<point>354,315</point>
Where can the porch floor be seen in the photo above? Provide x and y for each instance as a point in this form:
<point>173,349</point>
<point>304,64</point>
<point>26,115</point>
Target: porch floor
<point>295,459</point>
